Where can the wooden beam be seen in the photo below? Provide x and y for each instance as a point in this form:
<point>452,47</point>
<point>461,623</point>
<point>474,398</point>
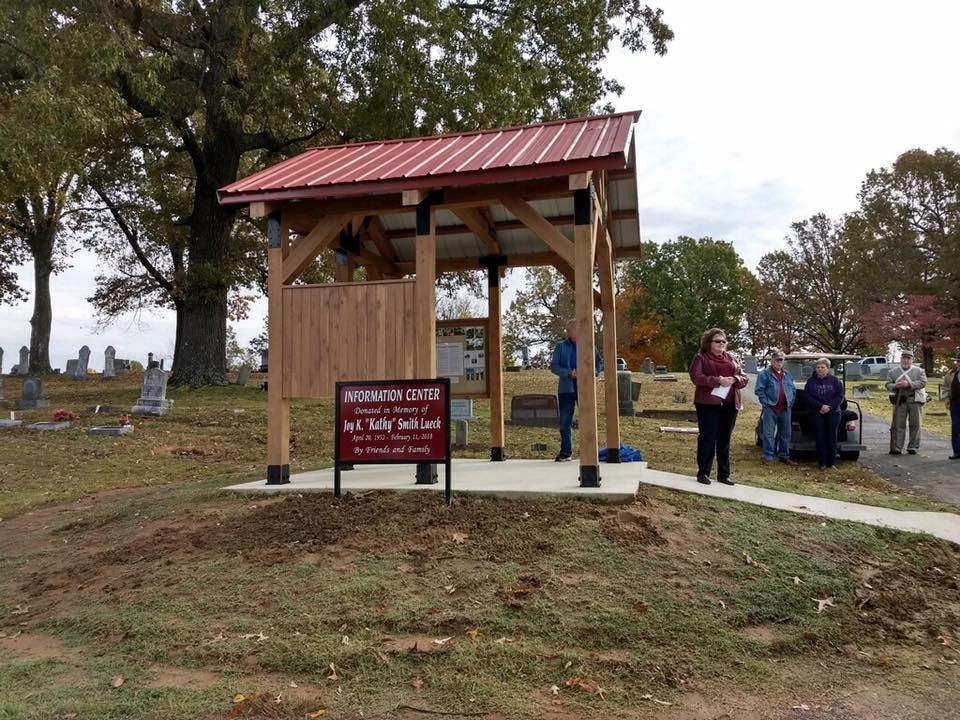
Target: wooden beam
<point>552,238</point>
<point>278,407</point>
<point>505,225</point>
<point>495,363</point>
<point>324,234</point>
<point>414,197</point>
<point>473,218</point>
<point>610,379</point>
<point>586,348</point>
<point>580,180</point>
<point>378,234</point>
<point>450,265</point>
<point>261,209</point>
<point>568,274</point>
<point>425,292</point>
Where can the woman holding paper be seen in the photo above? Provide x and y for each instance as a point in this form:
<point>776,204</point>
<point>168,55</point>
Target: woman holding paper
<point>824,393</point>
<point>718,380</point>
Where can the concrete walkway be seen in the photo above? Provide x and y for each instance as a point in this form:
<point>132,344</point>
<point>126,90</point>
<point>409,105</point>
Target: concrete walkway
<point>941,525</point>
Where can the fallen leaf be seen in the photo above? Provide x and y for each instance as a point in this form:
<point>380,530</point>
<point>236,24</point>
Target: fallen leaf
<point>333,673</point>
<point>823,604</point>
<point>117,681</point>
<point>218,638</point>
<point>345,640</point>
<point>20,610</point>
<point>938,570</point>
<point>651,698</point>
<point>802,706</point>
<point>722,604</point>
<point>318,713</point>
<point>503,640</point>
<point>293,684</point>
<point>948,662</point>
<point>417,683</point>
<point>278,698</point>
<point>442,641</point>
<point>586,686</point>
<point>460,538</point>
<point>568,664</point>
<point>473,633</point>
<point>554,690</point>
<point>238,698</point>
<point>451,589</point>
<point>797,581</point>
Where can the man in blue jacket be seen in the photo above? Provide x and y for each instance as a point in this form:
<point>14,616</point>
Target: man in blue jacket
<point>776,392</point>
<point>564,366</point>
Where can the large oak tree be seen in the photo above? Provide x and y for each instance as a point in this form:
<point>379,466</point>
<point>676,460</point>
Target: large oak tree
<point>231,84</point>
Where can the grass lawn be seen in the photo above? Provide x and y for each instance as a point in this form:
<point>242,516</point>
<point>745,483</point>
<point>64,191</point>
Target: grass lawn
<point>130,587</point>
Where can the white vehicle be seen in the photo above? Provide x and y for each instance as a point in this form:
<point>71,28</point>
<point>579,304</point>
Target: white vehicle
<point>876,365</point>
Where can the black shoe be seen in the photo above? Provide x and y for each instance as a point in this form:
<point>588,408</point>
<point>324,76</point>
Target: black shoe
<point>896,452</point>
<point>726,481</point>
<point>561,457</point>
<point>703,479</point>
<point>911,451</point>
<point>954,457</point>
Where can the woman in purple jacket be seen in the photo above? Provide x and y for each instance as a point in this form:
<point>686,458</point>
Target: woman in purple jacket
<point>718,380</point>
<point>824,393</point>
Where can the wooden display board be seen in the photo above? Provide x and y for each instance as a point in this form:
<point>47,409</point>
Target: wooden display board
<point>463,355</point>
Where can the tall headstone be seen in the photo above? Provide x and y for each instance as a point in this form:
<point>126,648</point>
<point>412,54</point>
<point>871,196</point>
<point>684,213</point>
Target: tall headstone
<point>109,355</point>
<point>72,365</point>
<point>30,395</point>
<point>1,361</point>
<point>243,376</point>
<point>24,367</point>
<point>647,366</point>
<point>750,365</point>
<point>153,394</point>
<point>263,361</point>
<point>624,393</point>
<point>83,364</point>
<point>161,363</point>
<point>525,354</point>
<point>1,390</point>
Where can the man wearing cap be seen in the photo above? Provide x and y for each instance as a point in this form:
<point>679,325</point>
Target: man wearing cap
<point>776,392</point>
<point>906,387</point>
<point>564,366</point>
<point>951,384</point>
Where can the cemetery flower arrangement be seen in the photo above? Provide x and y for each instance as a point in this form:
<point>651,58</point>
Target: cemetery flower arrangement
<point>61,415</point>
<point>123,420</point>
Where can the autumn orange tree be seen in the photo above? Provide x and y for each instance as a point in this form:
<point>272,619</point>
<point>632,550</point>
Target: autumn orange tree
<point>913,321</point>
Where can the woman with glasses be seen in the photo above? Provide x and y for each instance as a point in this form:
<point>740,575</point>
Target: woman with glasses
<point>718,380</point>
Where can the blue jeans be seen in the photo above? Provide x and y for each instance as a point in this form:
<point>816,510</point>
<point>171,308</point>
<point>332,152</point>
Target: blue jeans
<point>825,433</point>
<point>955,427</point>
<point>775,424</point>
<point>566,403</point>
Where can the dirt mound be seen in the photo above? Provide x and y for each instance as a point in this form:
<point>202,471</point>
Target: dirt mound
<point>630,527</point>
<point>407,523</point>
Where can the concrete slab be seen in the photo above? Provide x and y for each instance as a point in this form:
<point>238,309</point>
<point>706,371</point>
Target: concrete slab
<point>513,478</point>
<point>939,524</point>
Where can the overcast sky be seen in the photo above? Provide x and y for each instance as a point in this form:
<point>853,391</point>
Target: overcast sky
<point>760,114</point>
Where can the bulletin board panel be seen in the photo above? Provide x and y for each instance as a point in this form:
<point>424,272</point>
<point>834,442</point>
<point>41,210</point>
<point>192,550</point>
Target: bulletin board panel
<point>463,356</point>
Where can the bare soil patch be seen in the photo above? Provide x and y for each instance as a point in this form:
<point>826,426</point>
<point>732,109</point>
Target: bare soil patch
<point>183,678</point>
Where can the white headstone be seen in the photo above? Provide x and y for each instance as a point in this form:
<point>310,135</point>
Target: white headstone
<point>153,395</point>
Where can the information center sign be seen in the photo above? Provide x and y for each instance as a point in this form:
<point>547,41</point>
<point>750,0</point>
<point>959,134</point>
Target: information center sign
<point>392,421</point>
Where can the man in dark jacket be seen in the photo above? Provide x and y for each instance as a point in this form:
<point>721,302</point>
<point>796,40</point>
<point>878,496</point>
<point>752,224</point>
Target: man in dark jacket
<point>564,366</point>
<point>776,392</point>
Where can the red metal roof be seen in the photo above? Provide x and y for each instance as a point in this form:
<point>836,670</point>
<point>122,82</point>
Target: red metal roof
<point>470,158</point>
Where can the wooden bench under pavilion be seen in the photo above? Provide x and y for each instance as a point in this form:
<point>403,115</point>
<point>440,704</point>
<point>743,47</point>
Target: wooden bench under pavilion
<point>561,194</point>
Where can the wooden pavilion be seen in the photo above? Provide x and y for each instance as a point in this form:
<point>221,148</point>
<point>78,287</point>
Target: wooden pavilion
<point>560,193</point>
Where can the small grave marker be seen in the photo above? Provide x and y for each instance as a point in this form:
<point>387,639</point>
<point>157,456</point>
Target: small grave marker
<point>153,395</point>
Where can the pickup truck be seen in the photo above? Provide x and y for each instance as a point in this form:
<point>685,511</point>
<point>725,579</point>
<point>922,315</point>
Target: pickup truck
<point>876,366</point>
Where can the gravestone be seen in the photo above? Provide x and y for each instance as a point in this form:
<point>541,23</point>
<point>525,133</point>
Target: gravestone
<point>121,365</point>
<point>109,355</point>
<point>263,361</point>
<point>861,392</point>
<point>30,395</point>
<point>647,366</point>
<point>24,366</point>
<point>72,364</point>
<point>854,371</point>
<point>461,413</point>
<point>14,370</point>
<point>49,426</point>
<point>83,362</point>
<point>1,361</point>
<point>535,411</point>
<point>1,390</point>
<point>243,376</point>
<point>112,430</point>
<point>625,393</point>
<point>153,395</point>
<point>161,363</point>
<point>660,370</point>
<point>151,363</point>
<point>750,365</point>
<point>525,355</point>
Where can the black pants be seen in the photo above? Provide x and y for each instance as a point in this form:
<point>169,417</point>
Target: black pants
<point>716,426</point>
<point>825,434</point>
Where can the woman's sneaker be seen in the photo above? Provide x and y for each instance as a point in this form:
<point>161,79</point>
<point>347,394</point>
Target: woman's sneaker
<point>561,457</point>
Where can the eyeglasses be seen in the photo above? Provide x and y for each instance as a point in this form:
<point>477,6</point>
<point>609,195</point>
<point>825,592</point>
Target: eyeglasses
<point>722,342</point>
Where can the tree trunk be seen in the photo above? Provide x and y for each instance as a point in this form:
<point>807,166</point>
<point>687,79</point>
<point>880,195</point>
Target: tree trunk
<point>178,337</point>
<point>42,318</point>
<point>201,344</point>
<point>927,352</point>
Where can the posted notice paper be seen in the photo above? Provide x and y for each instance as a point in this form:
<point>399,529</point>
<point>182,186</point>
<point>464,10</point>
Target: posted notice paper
<point>721,391</point>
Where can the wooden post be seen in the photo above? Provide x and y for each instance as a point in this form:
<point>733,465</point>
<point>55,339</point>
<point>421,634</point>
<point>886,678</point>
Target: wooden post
<point>425,322</point>
<point>610,380</point>
<point>278,407</point>
<point>495,362</point>
<point>583,240</point>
